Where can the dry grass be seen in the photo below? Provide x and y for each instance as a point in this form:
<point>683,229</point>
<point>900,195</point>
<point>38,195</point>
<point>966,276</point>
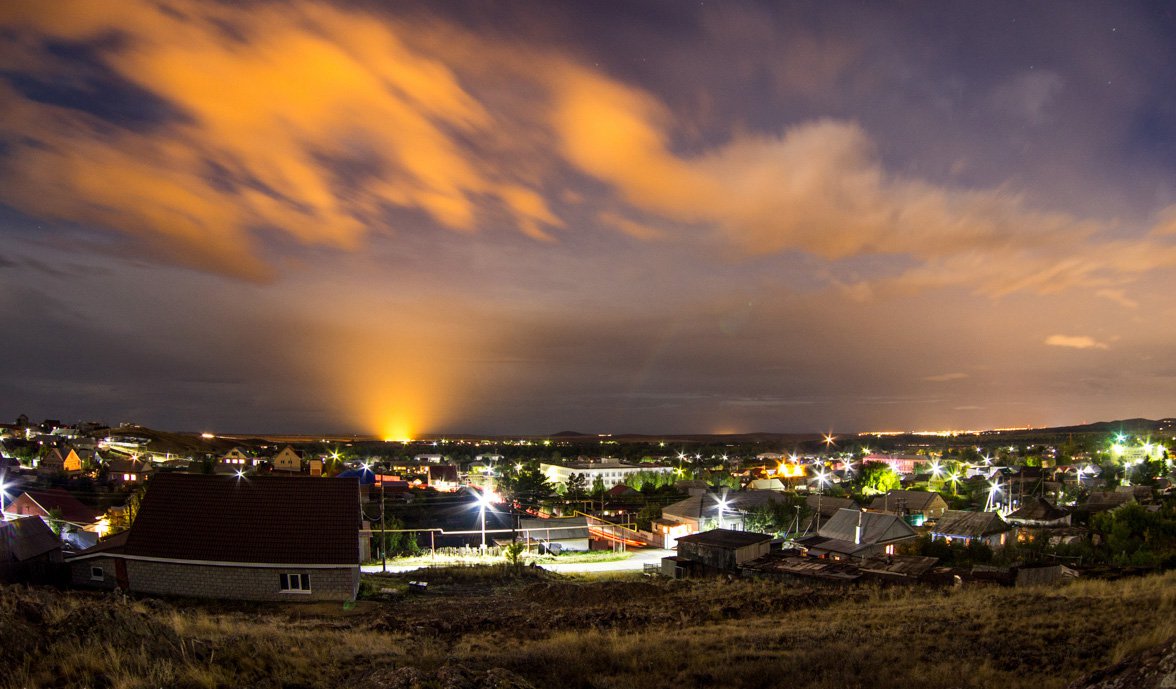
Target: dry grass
<point>559,632</point>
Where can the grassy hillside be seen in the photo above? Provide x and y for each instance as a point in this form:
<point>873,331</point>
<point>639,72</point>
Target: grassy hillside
<point>478,629</point>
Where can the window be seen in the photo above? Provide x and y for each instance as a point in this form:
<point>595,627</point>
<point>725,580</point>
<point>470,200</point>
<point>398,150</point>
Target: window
<point>97,574</point>
<point>295,583</point>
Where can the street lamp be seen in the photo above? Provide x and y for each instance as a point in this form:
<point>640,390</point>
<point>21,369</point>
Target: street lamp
<point>483,503</point>
<point>993,491</point>
<point>722,506</point>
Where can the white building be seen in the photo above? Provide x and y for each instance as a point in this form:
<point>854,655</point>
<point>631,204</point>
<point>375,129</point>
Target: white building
<point>609,470</point>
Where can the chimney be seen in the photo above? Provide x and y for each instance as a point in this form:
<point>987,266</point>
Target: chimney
<point>857,531</point>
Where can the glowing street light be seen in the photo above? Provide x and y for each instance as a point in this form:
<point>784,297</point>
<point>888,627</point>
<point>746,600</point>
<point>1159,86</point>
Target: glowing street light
<point>936,470</point>
<point>828,440</point>
<point>483,503</point>
<point>722,506</point>
<point>4,486</point>
<point>954,480</point>
<point>822,478</point>
<point>993,491</point>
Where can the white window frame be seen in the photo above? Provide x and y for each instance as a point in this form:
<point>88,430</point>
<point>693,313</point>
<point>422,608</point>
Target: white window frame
<point>97,573</point>
<point>294,582</point>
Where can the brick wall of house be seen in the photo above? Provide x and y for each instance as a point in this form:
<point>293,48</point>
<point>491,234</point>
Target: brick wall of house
<point>79,573</point>
<point>238,583</point>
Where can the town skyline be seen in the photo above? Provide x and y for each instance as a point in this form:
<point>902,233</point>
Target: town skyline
<point>421,219</point>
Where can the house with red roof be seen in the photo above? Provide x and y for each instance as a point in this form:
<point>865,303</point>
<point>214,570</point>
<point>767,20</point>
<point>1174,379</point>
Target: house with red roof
<point>53,502</point>
<point>270,538</point>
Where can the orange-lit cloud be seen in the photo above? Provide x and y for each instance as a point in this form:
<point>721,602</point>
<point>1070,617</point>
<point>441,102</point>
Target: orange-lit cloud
<point>270,112</point>
<point>1075,342</point>
<point>312,122</point>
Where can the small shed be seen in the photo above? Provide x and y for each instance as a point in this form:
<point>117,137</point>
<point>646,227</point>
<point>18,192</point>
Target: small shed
<point>724,549</point>
<point>1048,575</point>
<point>28,550</point>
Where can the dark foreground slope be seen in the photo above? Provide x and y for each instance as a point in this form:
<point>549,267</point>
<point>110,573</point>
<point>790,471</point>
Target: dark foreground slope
<point>474,630</point>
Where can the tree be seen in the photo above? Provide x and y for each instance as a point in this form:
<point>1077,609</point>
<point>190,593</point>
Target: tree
<point>54,520</point>
<point>527,483</point>
<point>771,518</point>
<point>877,477</point>
<point>576,487</point>
<point>514,553</point>
<point>646,515</point>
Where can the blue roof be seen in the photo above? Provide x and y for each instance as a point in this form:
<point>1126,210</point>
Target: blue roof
<point>366,476</point>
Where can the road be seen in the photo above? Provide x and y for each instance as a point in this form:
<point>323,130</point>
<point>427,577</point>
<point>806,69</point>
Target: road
<point>635,563</point>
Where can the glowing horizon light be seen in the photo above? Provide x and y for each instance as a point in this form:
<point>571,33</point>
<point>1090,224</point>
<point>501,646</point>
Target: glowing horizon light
<point>828,439</point>
<point>207,436</point>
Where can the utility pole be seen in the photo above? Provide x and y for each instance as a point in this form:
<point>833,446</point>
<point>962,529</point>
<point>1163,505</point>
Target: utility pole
<point>383,530</point>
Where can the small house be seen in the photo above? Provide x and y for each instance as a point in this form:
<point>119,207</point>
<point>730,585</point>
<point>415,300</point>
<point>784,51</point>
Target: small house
<point>55,463</point>
<point>288,460</point>
<point>237,457</point>
<point>126,471</point>
<point>968,527</point>
<point>917,506</point>
<point>28,551</point>
<point>53,503</point>
<point>1104,501</point>
<point>1040,513</point>
<point>856,535</point>
<point>723,549</point>
<point>266,538</point>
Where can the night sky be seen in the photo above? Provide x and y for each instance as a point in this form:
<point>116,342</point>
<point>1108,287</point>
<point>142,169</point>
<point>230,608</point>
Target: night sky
<point>620,216</point>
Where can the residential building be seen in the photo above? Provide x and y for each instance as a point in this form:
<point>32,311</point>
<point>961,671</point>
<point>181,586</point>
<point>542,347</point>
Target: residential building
<point>122,470</point>
<point>902,464</point>
<point>917,506</point>
<point>1039,512</point>
<point>288,460</point>
<point>609,470</point>
<point>56,462</point>
<point>268,538</point>
<point>28,551</point>
<point>970,527</point>
<point>55,503</point>
<point>856,535</point>
<point>701,512</point>
<point>238,458</point>
<point>716,550</point>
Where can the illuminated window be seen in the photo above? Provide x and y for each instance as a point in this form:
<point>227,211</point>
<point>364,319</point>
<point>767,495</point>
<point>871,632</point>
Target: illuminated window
<point>294,583</point>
